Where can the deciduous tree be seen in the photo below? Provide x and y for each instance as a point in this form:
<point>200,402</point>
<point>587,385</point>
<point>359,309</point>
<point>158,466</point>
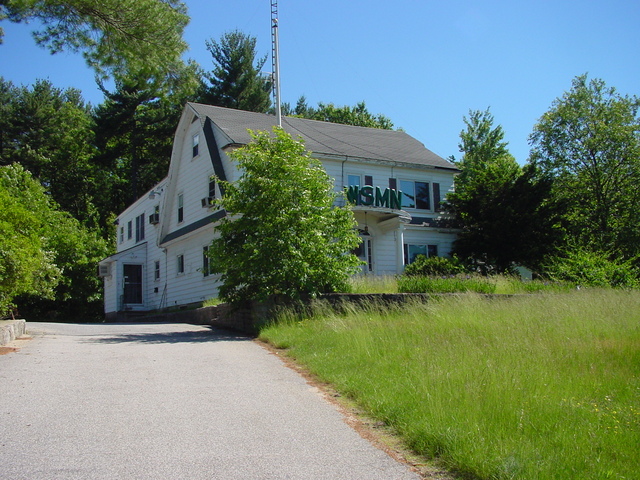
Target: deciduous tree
<point>283,235</point>
<point>47,258</point>
<point>589,142</point>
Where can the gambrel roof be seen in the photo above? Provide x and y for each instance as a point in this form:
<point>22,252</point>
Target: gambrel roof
<point>324,138</point>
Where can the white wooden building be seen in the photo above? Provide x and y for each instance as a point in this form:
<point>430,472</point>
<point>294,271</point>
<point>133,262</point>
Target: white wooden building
<point>396,183</point>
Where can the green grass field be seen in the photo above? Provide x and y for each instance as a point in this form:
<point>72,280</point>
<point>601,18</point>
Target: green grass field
<point>543,386</point>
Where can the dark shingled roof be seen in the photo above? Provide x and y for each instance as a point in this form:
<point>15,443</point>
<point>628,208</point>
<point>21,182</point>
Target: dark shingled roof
<point>326,138</point>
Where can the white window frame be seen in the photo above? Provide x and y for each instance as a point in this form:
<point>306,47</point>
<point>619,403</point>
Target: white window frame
<point>180,265</point>
<point>195,145</point>
<point>180,211</point>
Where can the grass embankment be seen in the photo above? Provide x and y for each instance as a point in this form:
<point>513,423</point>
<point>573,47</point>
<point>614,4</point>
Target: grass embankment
<point>541,386</point>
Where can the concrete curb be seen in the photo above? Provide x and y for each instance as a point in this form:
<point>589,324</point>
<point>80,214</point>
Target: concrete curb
<point>11,329</point>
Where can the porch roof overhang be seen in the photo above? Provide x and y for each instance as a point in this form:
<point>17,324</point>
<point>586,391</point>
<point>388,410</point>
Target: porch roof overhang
<point>384,218</point>
<point>140,249</point>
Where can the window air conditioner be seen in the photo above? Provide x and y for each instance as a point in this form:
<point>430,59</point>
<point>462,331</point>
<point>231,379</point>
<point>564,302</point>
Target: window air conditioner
<point>104,270</point>
<point>154,218</point>
<point>207,202</point>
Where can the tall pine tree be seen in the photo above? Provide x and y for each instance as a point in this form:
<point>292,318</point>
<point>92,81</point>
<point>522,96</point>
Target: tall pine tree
<point>236,81</point>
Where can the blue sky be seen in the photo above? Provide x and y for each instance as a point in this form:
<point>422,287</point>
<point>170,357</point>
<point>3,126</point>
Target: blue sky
<point>423,64</point>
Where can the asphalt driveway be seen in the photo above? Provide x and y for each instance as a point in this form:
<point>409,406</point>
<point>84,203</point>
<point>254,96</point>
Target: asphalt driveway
<point>169,401</point>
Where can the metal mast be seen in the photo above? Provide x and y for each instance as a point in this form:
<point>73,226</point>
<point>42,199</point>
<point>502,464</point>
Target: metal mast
<point>275,60</point>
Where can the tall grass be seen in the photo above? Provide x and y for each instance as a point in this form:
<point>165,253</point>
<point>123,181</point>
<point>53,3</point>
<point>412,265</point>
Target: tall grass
<point>373,284</point>
<point>536,387</point>
<point>495,284</point>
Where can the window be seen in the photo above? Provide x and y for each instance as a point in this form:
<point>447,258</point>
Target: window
<point>140,228</point>
<point>415,195</point>
<point>156,270</point>
<point>129,230</point>
<point>196,145</point>
<point>206,268</point>
<point>212,188</point>
<point>180,208</point>
<point>121,234</point>
<point>180,264</point>
<point>412,251</point>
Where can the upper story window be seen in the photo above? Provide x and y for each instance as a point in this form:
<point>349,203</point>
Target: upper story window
<point>415,195</point>
<point>129,230</point>
<point>196,145</point>
<point>180,264</point>
<point>121,234</point>
<point>156,270</point>
<point>140,228</point>
<point>180,208</point>
<point>356,181</point>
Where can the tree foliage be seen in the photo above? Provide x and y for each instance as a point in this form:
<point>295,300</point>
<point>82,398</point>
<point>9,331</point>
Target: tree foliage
<point>46,256</point>
<point>135,36</point>
<point>589,142</point>
<point>236,81</point>
<point>358,115</point>
<point>135,126</point>
<point>505,211</point>
<point>283,234</point>
<point>50,133</point>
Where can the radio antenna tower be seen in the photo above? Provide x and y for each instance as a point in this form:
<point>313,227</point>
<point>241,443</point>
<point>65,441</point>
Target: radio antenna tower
<point>275,60</point>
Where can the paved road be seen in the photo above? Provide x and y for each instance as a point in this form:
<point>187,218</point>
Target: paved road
<point>169,402</point>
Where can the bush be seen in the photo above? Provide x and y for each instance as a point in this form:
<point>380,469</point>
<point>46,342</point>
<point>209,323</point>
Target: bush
<point>434,266</point>
<point>593,269</point>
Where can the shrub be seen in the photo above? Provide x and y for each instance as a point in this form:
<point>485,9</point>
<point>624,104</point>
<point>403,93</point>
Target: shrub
<point>434,266</point>
<point>593,269</point>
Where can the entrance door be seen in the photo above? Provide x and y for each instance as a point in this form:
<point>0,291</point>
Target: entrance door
<point>132,284</point>
<point>364,252</point>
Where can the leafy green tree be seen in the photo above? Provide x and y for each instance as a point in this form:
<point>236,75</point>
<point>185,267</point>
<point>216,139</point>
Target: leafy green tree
<point>236,81</point>
<point>283,234</point>
<point>26,267</point>
<point>505,212</point>
<point>589,142</point>
<point>49,132</point>
<point>141,36</point>
<point>48,260</point>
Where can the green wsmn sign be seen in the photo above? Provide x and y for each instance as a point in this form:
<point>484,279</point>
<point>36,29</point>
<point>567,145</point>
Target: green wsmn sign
<point>370,196</point>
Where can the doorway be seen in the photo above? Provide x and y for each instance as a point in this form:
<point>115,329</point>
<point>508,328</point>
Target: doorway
<point>132,284</point>
<point>364,252</point>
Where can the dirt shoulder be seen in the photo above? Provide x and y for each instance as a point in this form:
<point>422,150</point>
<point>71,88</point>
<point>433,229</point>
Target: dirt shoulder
<point>376,432</point>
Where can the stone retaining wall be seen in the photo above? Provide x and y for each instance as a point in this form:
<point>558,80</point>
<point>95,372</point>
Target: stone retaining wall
<point>10,330</point>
